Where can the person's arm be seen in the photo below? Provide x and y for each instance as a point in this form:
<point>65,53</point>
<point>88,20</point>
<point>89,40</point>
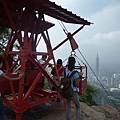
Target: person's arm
<point>77,80</point>
<point>3,75</point>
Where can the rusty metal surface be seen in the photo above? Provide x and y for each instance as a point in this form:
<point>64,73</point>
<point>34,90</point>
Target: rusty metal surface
<point>43,6</point>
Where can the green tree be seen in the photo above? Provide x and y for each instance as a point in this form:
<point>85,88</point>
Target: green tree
<point>4,37</point>
<point>87,96</point>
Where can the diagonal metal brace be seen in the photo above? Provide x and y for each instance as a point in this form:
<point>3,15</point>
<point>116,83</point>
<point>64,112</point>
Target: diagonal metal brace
<point>68,38</point>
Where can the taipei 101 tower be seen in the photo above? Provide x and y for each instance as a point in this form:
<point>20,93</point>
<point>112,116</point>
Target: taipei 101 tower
<point>97,66</point>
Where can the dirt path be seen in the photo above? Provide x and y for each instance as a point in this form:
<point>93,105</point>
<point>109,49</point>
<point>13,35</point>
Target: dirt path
<point>53,111</point>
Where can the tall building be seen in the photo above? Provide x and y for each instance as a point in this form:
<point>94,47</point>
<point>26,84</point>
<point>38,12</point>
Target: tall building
<point>97,66</point>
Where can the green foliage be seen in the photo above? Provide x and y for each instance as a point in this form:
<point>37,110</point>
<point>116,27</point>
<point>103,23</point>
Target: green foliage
<point>47,84</point>
<point>87,96</point>
<point>4,32</point>
<point>4,36</point>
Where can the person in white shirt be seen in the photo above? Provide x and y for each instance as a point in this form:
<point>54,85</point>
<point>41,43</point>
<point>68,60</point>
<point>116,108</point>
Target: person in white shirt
<point>3,75</point>
<point>43,59</point>
<point>42,62</point>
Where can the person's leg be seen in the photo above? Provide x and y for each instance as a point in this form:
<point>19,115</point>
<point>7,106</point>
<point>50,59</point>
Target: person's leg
<point>1,109</point>
<point>77,105</point>
<point>54,80</point>
<point>68,109</point>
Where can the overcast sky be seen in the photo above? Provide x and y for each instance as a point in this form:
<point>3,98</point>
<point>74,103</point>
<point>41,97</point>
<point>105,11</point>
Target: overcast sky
<point>102,37</point>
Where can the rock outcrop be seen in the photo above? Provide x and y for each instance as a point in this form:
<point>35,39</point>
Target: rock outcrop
<point>105,112</point>
<point>55,111</point>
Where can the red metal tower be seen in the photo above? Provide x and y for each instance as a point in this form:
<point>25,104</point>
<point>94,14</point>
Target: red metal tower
<point>29,27</point>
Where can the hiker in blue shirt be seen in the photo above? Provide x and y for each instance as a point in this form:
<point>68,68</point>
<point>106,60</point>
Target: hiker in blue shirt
<point>75,79</point>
